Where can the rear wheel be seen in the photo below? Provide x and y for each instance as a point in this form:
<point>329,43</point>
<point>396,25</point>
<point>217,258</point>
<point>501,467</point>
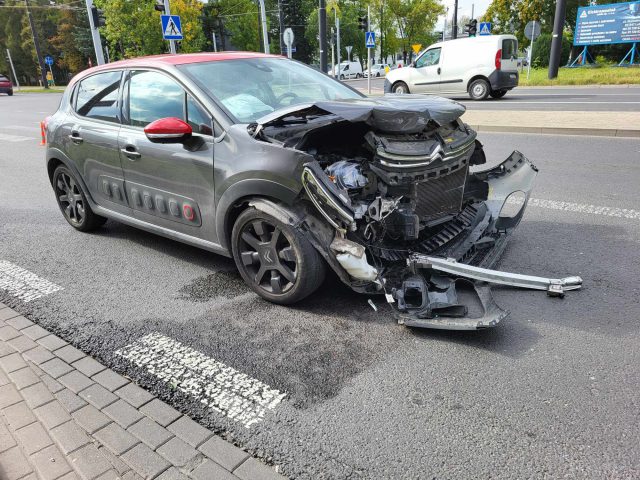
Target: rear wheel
<point>72,201</point>
<point>400,88</point>
<point>358,75</point>
<point>274,259</point>
<point>479,89</point>
<point>498,93</point>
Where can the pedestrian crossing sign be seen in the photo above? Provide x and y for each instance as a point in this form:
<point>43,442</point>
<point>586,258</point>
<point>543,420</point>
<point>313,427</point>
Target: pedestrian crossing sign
<point>171,27</point>
<point>370,39</point>
<point>485,28</point>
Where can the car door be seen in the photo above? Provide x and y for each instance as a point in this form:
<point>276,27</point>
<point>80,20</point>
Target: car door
<point>91,136</point>
<point>425,76</point>
<point>168,184</point>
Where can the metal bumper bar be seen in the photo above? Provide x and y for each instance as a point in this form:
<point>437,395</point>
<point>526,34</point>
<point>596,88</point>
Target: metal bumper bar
<point>555,287</point>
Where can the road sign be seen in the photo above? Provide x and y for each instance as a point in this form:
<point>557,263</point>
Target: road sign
<point>416,47</point>
<point>48,60</point>
<point>370,39</point>
<point>485,28</point>
<point>532,30</point>
<point>288,37</point>
<point>171,27</point>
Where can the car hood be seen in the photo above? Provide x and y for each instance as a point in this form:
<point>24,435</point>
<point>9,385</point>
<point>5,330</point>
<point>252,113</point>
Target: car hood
<point>389,114</point>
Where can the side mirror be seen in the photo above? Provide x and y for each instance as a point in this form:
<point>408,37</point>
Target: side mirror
<point>168,130</point>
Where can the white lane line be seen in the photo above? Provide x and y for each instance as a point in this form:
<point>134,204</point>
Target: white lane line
<point>515,102</point>
<point>220,387</point>
<point>582,208</point>
<point>24,284</point>
<point>5,137</point>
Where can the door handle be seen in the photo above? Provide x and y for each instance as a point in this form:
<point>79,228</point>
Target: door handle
<point>75,137</point>
<point>438,70</point>
<point>130,152</point>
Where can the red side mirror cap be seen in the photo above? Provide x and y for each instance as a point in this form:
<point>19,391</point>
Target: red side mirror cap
<point>168,130</point>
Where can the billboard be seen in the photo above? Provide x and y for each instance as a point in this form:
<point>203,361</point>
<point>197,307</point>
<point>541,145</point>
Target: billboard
<point>606,24</point>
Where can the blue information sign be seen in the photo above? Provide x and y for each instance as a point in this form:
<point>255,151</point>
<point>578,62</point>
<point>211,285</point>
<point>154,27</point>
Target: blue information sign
<point>370,39</point>
<point>484,28</point>
<point>171,27</point>
<point>606,24</point>
<point>48,60</point>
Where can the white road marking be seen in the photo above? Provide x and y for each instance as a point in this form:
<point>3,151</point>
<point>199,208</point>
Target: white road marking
<point>581,102</point>
<point>220,387</point>
<point>583,208</point>
<point>24,284</point>
<point>5,137</point>
<point>21,127</point>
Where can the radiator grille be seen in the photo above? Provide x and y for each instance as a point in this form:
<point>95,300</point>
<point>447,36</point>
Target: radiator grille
<point>441,196</point>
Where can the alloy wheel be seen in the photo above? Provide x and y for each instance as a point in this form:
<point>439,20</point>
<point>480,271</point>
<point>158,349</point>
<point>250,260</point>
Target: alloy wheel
<point>268,257</point>
<point>69,198</point>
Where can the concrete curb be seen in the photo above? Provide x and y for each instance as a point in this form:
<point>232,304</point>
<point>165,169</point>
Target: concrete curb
<point>65,416</point>
<point>595,132</point>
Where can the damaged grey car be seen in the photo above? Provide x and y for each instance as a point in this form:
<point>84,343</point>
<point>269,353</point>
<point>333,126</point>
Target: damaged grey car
<point>291,172</point>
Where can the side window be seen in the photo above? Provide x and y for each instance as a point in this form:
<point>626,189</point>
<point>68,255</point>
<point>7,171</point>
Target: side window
<point>152,96</point>
<point>509,49</point>
<point>199,119</point>
<point>430,57</point>
<point>97,96</point>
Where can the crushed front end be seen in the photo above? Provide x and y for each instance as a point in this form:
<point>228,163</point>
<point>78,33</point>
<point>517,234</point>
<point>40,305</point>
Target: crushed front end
<point>393,178</point>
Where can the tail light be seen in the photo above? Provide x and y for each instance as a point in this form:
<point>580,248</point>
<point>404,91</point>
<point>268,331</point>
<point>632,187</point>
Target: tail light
<point>499,59</point>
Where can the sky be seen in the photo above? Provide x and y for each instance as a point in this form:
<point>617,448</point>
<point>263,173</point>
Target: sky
<point>464,8</point>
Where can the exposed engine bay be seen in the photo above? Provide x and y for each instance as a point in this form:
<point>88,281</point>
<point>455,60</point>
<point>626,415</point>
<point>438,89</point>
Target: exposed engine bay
<point>408,217</point>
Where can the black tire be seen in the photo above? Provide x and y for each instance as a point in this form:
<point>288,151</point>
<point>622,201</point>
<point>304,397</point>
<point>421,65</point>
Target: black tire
<point>358,75</point>
<point>291,268</point>
<point>498,93</point>
<point>479,89</point>
<point>400,88</point>
<point>341,77</point>
<point>73,202</point>
<point>10,93</point>
<point>378,74</point>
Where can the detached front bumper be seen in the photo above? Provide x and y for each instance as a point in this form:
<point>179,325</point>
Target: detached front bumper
<point>428,297</point>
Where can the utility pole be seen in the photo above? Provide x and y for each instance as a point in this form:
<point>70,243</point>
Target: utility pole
<point>382,59</point>
<point>333,56</point>
<point>13,69</point>
<point>265,34</point>
<point>472,8</point>
<point>454,22</point>
<point>338,38</point>
<point>280,25</point>
<point>369,50</point>
<point>556,39</point>
<point>322,32</point>
<point>167,11</point>
<point>213,37</point>
<point>43,73</point>
<point>95,35</point>
<point>444,30</point>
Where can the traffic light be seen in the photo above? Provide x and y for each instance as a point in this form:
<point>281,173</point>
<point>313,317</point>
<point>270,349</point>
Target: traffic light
<point>159,6</point>
<point>471,28</point>
<point>98,17</point>
<point>363,23</point>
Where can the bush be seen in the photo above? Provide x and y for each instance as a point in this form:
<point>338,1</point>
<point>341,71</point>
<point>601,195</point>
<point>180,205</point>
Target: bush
<point>542,51</point>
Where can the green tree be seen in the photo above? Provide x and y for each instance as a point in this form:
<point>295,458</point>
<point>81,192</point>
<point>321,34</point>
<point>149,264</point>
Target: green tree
<point>415,20</point>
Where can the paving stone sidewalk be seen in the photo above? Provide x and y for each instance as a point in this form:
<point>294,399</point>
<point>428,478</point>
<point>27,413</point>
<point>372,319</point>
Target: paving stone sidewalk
<point>65,416</point>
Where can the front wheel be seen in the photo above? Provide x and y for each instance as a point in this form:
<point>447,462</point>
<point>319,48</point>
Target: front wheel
<point>358,75</point>
<point>341,77</point>
<point>479,89</point>
<point>10,93</point>
<point>400,88</point>
<point>498,93</point>
<point>275,259</point>
<point>72,201</point>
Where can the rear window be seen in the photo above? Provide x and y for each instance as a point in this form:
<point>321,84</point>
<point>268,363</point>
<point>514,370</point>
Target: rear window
<point>3,78</point>
<point>97,96</point>
<point>509,48</point>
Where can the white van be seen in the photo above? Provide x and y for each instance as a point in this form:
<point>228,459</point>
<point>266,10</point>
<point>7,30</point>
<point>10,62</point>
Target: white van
<point>349,70</point>
<point>478,66</point>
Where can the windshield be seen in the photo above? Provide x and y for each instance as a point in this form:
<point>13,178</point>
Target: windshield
<point>252,88</point>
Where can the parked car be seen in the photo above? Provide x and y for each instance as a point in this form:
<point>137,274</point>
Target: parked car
<point>348,70</point>
<point>377,70</point>
<point>5,85</point>
<point>288,171</point>
<point>478,66</point>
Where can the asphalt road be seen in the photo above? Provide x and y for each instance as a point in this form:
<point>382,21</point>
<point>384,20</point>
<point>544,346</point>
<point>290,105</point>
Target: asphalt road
<point>609,99</point>
<point>552,392</point>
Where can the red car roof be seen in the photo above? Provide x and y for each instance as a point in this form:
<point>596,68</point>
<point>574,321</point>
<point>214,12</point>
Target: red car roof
<point>184,58</point>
